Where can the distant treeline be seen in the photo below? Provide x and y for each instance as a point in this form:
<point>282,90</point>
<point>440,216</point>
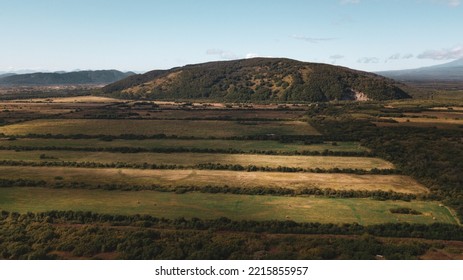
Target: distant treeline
<point>325,152</point>
<point>308,139</point>
<point>46,93</point>
<point>205,166</point>
<point>278,191</point>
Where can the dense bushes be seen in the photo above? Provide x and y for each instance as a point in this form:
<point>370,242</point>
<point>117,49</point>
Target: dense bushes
<point>404,210</point>
<point>68,234</point>
<point>432,156</point>
<point>187,150</point>
<point>307,191</point>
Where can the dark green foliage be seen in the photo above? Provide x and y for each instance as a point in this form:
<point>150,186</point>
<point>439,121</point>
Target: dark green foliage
<point>275,191</point>
<point>432,156</point>
<point>71,78</point>
<point>405,211</point>
<point>68,234</point>
<point>203,166</point>
<point>257,80</point>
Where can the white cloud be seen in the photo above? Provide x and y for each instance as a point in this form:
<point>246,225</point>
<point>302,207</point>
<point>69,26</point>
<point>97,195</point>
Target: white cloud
<point>451,3</point>
<point>214,51</point>
<point>407,56</point>
<point>311,39</point>
<point>398,56</point>
<point>394,57</point>
<point>443,54</point>
<point>222,54</point>
<point>335,57</point>
<point>251,55</point>
<point>368,60</point>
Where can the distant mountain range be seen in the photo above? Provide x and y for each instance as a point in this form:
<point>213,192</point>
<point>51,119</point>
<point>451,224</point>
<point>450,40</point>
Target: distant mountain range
<point>3,75</point>
<point>68,78</point>
<point>258,79</point>
<point>450,72</point>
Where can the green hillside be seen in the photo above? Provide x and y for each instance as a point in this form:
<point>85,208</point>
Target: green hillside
<point>70,78</point>
<point>258,79</point>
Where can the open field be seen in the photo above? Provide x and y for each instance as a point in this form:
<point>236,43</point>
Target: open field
<point>424,122</point>
<point>8,109</point>
<point>441,115</point>
<point>430,120</point>
<point>221,114</point>
<point>204,132</point>
<point>209,206</point>
<point>449,108</point>
<point>73,99</point>
<point>438,98</point>
<point>16,112</point>
<point>160,112</point>
<point>130,177</point>
<point>242,145</point>
<point>150,127</point>
<point>192,159</point>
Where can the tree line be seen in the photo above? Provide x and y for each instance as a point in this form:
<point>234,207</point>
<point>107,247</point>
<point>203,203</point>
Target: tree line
<point>201,166</point>
<point>122,149</point>
<point>253,190</point>
<point>72,235</point>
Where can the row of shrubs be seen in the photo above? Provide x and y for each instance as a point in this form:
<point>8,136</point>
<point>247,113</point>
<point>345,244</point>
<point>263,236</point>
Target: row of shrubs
<point>431,231</point>
<point>325,152</point>
<point>276,191</point>
<point>202,166</point>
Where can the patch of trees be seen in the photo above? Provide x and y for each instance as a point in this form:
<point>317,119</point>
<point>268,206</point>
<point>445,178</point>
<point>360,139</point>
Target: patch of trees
<point>405,210</point>
<point>88,164</point>
<point>202,166</point>
<point>434,157</point>
<point>76,234</point>
<point>36,92</point>
<point>19,182</point>
<point>431,231</point>
<point>253,168</point>
<point>252,190</point>
<point>122,149</point>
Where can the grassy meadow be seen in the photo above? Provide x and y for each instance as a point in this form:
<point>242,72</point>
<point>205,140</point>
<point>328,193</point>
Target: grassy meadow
<point>242,179</point>
<point>186,128</point>
<point>210,206</point>
<point>194,159</point>
<point>242,145</point>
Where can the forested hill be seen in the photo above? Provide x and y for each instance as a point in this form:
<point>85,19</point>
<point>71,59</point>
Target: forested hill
<point>70,78</point>
<point>258,79</point>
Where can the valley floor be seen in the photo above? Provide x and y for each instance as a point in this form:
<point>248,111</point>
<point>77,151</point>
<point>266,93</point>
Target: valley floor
<point>189,163</point>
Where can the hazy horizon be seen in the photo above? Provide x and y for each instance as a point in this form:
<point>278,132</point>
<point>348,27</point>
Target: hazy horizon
<point>140,35</point>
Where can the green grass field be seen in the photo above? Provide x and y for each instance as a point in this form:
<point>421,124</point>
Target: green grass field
<point>209,206</point>
<point>220,113</point>
<point>200,178</point>
<point>193,159</point>
<point>243,145</point>
<point>199,128</point>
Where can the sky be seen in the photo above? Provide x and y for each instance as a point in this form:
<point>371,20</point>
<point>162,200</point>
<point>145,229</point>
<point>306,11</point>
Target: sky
<point>142,35</point>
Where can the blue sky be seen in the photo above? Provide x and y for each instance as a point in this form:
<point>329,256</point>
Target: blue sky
<point>142,35</point>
